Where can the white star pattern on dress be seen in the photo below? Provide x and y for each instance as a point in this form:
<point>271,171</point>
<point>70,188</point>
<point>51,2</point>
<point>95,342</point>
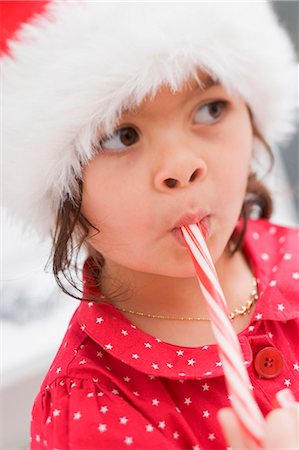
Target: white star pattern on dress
<point>104,409</point>
<point>296,366</point>
<point>56,412</point>
<point>128,440</point>
<point>123,420</point>
<point>127,379</point>
<point>218,363</point>
<point>287,383</point>
<point>259,316</point>
<point>100,354</point>
<point>272,283</point>
<point>175,435</point>
<point>115,392</point>
<point>195,447</point>
<point>135,356</point>
<point>108,346</point>
<point>280,307</point>
<point>100,320</point>
<point>206,414</point>
<point>149,428</point>
<point>124,332</point>
<point>83,327</point>
<point>191,362</point>
<point>169,365</point>
<point>37,438</point>
<point>83,361</point>
<point>180,352</point>
<point>205,387</point>
<point>162,425</point>
<point>295,275</point>
<point>155,366</point>
<point>77,415</point>
<point>265,256</point>
<point>255,235</point>
<point>136,393</point>
<point>89,395</point>
<point>187,401</point>
<point>287,256</point>
<point>58,370</point>
<point>102,427</point>
<point>147,345</point>
<point>211,436</point>
<point>270,335</point>
<point>155,402</point>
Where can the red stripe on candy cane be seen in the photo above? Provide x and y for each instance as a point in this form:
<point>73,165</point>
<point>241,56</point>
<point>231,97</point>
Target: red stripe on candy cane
<point>236,376</point>
<point>199,248</point>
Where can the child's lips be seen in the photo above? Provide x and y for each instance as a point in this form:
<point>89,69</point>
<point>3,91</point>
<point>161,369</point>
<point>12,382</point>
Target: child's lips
<point>204,226</point>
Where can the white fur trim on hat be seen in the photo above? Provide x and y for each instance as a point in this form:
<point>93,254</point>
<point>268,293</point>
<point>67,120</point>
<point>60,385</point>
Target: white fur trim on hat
<point>72,70</point>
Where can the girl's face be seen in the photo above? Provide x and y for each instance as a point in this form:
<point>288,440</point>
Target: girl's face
<point>176,154</point>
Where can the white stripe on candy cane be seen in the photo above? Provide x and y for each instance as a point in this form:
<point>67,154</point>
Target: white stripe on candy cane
<point>227,340</point>
<point>199,257</point>
<point>200,248</point>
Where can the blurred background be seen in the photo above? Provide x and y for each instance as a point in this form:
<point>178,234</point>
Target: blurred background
<point>35,315</point>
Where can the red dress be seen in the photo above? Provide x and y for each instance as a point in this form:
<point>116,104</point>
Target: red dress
<point>113,386</point>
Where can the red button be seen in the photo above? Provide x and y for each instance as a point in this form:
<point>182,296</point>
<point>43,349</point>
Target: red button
<point>268,362</point>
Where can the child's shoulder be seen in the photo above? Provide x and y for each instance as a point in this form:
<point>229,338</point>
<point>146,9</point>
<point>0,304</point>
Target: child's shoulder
<point>272,250</point>
<point>272,237</point>
<point>267,228</point>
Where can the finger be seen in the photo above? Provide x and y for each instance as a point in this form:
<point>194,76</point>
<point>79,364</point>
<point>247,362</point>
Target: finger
<point>281,430</point>
<point>284,398</point>
<point>232,431</point>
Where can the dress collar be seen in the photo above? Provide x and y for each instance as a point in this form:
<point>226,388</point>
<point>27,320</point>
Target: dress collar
<point>265,251</point>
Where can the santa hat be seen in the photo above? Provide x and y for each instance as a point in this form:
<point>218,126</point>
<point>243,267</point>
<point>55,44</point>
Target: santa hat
<point>73,67</point>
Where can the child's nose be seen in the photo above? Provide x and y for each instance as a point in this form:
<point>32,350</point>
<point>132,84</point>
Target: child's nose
<point>175,173</point>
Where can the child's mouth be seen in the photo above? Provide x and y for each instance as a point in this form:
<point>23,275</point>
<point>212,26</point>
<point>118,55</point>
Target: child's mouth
<point>205,228</point>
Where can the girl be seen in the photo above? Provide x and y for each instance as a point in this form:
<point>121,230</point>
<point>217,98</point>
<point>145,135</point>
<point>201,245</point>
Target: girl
<point>123,122</point>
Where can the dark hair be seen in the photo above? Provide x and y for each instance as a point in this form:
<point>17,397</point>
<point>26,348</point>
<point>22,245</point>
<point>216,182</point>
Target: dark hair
<point>72,229</point>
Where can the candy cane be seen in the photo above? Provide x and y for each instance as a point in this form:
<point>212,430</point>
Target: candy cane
<point>236,376</point>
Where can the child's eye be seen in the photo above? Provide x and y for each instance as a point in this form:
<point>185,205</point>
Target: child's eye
<point>120,139</point>
<point>210,112</point>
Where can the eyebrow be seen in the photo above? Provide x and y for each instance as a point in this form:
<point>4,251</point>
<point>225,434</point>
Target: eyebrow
<point>206,83</point>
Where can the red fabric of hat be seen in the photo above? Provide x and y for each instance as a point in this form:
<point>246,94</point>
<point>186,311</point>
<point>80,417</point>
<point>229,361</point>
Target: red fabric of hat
<point>13,15</point>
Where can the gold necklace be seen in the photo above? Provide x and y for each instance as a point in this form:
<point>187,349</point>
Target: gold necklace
<point>244,309</point>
